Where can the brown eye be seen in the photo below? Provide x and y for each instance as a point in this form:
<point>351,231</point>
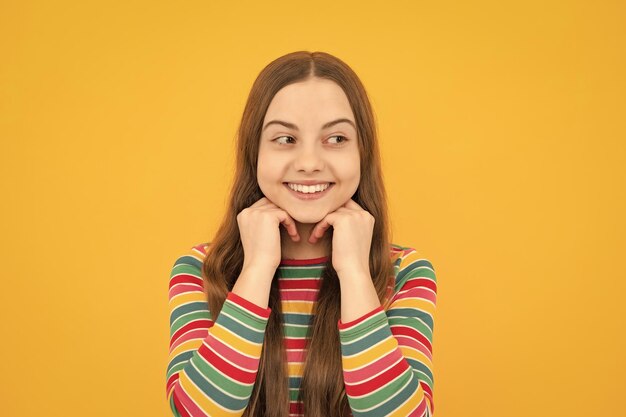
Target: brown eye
<point>342,137</point>
<point>280,138</point>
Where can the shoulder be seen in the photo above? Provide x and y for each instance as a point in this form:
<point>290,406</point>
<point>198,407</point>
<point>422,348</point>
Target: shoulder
<point>193,256</point>
<point>412,265</point>
<point>189,263</point>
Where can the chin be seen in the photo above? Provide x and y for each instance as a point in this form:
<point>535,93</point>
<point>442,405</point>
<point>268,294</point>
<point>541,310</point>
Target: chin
<point>307,219</point>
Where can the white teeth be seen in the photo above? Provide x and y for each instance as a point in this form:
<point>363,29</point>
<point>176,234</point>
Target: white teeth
<point>308,189</point>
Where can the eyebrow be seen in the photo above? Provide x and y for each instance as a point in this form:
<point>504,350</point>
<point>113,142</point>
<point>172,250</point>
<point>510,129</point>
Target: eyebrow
<point>294,127</point>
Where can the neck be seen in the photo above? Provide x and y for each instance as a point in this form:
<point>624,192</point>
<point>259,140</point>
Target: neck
<point>303,249</point>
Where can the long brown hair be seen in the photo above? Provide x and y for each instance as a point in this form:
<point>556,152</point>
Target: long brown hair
<point>322,386</point>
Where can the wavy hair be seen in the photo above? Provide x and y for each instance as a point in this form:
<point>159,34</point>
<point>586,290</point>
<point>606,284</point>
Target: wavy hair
<point>322,387</point>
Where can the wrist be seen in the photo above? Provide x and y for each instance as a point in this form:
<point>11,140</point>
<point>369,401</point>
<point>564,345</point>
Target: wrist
<point>254,285</point>
<point>354,275</point>
<point>258,270</point>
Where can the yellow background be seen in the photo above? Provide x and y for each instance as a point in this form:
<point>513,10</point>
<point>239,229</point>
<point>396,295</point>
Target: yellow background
<point>502,132</point>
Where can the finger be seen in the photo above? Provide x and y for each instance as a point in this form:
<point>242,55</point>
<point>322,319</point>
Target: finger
<point>289,224</point>
<point>320,228</point>
<point>351,204</point>
<point>261,202</point>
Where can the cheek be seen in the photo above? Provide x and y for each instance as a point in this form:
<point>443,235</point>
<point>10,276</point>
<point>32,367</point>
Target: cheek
<point>351,175</point>
<point>268,176</point>
<point>263,168</point>
<point>350,170</point>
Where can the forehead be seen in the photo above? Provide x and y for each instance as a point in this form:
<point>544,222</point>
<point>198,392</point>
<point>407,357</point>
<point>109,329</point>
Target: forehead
<point>312,102</point>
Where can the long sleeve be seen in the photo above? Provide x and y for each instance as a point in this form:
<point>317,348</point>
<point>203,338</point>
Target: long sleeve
<point>387,356</point>
<point>212,364</point>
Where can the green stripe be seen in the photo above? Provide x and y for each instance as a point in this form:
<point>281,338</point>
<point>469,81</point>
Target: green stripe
<point>413,323</point>
<point>178,361</point>
<point>421,371</point>
<point>414,316</point>
<point>413,270</point>
<point>294,318</point>
<point>241,331</point>
<point>228,385</point>
<point>190,260</point>
<point>313,272</point>
<point>349,348</point>
<point>184,268</point>
<point>296,332</point>
<point>363,327</point>
<point>241,314</point>
<point>390,394</point>
<point>209,387</point>
<point>173,407</point>
<point>181,321</point>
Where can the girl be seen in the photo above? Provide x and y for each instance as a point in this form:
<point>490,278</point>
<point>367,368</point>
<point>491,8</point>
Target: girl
<point>300,305</point>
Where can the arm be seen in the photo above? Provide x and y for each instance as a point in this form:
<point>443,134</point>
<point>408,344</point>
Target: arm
<point>387,357</point>
<point>212,364</point>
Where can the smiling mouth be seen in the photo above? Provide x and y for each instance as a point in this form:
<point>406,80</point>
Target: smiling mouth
<point>310,195</point>
<point>309,189</point>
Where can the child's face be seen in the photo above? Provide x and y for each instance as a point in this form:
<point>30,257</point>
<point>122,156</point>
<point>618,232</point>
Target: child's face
<point>310,152</point>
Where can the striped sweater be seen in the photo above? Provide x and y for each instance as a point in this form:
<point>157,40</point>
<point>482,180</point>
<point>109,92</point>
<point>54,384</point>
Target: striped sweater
<point>386,353</point>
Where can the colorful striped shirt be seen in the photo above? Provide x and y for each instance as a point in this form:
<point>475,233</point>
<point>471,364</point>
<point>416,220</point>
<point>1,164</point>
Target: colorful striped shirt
<point>386,353</point>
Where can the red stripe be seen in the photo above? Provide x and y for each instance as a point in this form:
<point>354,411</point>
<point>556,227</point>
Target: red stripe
<point>299,262</point>
<point>295,343</point>
<point>379,381</point>
<point>249,305</point>
<point>186,279</point>
<point>172,380</point>
<point>299,295</point>
<point>179,406</point>
<point>412,333</point>
<point>420,282</point>
<point>428,392</point>
<point>196,335</point>
<point>296,408</point>
<point>196,324</point>
<point>201,247</point>
<point>293,284</point>
<point>225,367</point>
<point>352,323</point>
<point>429,395</point>
<point>186,401</point>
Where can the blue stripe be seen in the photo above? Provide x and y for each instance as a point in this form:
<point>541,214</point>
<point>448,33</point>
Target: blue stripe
<point>187,308</point>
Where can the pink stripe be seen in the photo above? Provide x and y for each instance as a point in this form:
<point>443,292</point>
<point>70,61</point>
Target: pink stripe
<point>193,334</point>
<point>428,392</point>
<point>234,356</point>
<point>183,288</point>
<point>420,339</point>
<point>420,410</point>
<point>184,398</point>
<point>415,344</point>
<point>295,356</point>
<point>380,364</point>
<point>418,293</point>
<point>421,292</point>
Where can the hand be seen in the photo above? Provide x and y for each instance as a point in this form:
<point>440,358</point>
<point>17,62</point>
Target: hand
<point>352,237</point>
<point>259,228</point>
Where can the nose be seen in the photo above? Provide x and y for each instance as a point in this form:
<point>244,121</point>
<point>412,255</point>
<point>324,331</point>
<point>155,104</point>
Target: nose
<point>309,158</point>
